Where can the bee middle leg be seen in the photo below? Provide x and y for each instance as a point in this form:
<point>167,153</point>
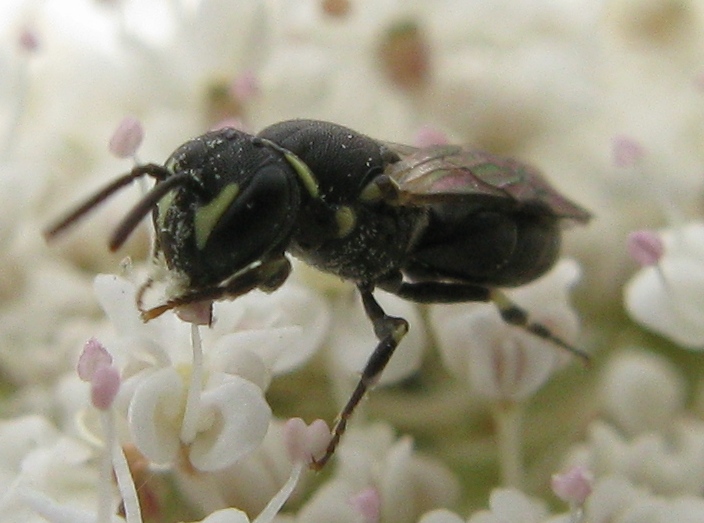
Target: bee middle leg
<point>389,331</point>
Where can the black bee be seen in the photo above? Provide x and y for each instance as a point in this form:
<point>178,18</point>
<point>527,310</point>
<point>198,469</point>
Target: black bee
<point>439,224</point>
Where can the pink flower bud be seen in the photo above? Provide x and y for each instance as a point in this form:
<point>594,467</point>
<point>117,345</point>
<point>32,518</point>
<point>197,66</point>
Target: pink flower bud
<point>231,121</point>
<point>645,247</point>
<point>199,313</point>
<point>367,503</point>
<point>104,387</point>
<point>93,357</point>
<point>573,486</point>
<point>699,81</point>
<point>245,86</point>
<point>305,442</point>
<point>127,137</point>
<point>428,135</point>
<point>28,40</point>
<point>627,151</point>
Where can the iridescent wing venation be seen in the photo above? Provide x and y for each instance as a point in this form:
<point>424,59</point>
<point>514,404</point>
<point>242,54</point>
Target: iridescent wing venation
<point>446,172</point>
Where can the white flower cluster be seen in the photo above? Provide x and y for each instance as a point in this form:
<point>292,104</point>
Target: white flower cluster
<point>164,421</point>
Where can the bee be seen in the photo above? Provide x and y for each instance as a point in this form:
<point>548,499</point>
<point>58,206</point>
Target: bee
<point>439,224</point>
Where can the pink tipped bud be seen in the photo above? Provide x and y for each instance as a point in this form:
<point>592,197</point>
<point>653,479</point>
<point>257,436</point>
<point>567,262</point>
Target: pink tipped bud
<point>573,486</point>
<point>127,137</point>
<point>627,151</point>
<point>645,247</point>
<point>104,387</point>
<point>367,503</point>
<point>305,442</point>
<point>336,8</point>
<point>199,313</point>
<point>28,40</point>
<point>699,81</point>
<point>93,357</point>
<point>232,122</point>
<point>428,135</point>
<point>404,55</point>
<point>245,86</point>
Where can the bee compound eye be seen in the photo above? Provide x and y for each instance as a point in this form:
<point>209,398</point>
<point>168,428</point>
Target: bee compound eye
<point>259,217</point>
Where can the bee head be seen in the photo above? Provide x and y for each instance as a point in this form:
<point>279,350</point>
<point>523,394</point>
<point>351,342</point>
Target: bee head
<point>222,201</point>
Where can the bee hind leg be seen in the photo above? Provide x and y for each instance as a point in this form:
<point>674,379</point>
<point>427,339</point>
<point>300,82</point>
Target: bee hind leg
<point>515,315</point>
<point>458,292</point>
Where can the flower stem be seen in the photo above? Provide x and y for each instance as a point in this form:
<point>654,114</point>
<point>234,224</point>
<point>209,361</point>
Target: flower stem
<point>192,410</point>
<point>508,417</point>
<point>274,506</point>
<point>125,483</point>
<point>576,514</point>
<point>105,482</point>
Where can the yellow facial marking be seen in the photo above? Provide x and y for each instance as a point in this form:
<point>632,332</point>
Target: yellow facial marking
<point>163,207</point>
<point>207,216</point>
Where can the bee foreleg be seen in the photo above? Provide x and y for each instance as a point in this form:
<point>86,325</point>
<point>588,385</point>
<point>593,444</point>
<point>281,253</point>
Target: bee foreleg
<point>267,276</point>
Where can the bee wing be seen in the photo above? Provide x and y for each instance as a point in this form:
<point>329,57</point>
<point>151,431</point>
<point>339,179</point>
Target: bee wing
<point>446,172</point>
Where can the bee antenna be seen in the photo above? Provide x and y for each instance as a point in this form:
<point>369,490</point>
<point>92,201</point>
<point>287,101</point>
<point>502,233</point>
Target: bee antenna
<point>151,169</point>
<point>144,207</point>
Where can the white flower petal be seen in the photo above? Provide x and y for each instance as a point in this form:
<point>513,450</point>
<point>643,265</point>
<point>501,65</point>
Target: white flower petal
<point>410,484</point>
<point>329,503</point>
<point>52,468</point>
<point>666,464</point>
<point>228,27</point>
<point>248,484</point>
<point>117,298</point>
<point>673,307</point>
<point>685,510</point>
<point>20,436</point>
<point>441,516</point>
<point>239,418</point>
<point>396,484</point>
<point>610,497</point>
<point>55,512</point>
<point>308,311</point>
<point>512,505</point>
<point>292,305</point>
<point>689,239</point>
<point>497,360</point>
<point>642,392</point>
<point>155,413</point>
<point>271,346</point>
<point>228,515</point>
<point>229,357</point>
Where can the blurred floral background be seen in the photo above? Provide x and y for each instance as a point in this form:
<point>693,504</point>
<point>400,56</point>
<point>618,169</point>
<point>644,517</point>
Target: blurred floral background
<point>105,418</point>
